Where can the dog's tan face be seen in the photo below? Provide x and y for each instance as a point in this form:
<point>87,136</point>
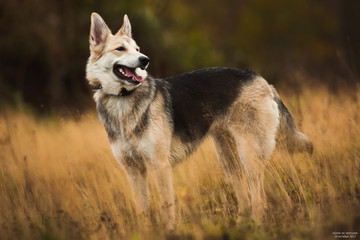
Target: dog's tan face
<point>115,61</point>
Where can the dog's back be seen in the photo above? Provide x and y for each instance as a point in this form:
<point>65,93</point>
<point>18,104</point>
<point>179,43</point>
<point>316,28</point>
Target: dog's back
<point>200,98</point>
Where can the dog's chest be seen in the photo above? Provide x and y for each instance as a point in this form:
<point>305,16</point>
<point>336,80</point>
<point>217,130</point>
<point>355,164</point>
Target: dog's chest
<point>123,121</point>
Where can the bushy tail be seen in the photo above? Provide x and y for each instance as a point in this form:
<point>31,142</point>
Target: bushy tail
<point>288,135</point>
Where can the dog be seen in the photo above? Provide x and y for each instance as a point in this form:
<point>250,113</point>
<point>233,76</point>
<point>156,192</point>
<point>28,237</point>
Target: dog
<point>154,124</point>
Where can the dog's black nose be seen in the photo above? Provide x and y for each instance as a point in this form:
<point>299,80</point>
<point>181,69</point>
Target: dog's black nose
<point>144,61</point>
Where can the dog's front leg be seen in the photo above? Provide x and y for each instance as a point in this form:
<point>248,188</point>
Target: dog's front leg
<point>136,173</point>
<point>140,189</point>
<point>162,173</point>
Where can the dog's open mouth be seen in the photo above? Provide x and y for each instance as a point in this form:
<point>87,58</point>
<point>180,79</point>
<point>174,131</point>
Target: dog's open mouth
<point>127,74</point>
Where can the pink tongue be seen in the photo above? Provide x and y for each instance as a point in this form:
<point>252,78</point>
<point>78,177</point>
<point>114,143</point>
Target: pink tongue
<point>131,74</point>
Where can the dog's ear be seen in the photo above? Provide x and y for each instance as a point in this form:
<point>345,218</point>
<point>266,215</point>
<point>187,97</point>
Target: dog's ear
<point>98,30</point>
<point>126,27</point>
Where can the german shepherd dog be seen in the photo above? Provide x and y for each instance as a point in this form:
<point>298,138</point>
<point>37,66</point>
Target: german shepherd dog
<point>153,124</point>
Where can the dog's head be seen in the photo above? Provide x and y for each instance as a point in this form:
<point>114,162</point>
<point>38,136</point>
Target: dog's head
<point>115,61</point>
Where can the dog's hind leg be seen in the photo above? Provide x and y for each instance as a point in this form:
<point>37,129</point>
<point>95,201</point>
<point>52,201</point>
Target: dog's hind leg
<point>253,163</point>
<point>228,156</point>
<point>253,123</point>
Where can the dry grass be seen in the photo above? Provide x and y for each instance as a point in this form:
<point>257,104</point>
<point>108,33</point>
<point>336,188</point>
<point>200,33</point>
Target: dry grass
<point>59,180</point>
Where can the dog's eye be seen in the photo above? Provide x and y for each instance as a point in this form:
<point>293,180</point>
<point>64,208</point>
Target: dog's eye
<point>138,49</point>
<point>121,49</point>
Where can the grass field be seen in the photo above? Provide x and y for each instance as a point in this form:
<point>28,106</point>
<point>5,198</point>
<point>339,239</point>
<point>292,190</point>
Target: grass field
<point>59,180</point>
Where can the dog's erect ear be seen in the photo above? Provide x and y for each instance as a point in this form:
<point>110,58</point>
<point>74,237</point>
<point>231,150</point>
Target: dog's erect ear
<point>98,30</point>
<point>126,27</point>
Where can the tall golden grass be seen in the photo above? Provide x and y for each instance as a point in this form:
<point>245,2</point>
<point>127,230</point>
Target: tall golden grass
<point>59,180</point>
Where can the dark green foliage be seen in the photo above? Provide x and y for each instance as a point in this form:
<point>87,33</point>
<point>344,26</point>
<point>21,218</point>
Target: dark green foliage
<point>44,44</point>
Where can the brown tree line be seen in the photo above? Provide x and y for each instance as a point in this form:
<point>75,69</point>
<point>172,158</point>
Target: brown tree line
<point>44,44</point>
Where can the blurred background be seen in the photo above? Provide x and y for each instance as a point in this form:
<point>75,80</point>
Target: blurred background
<point>44,44</point>
<point>58,177</point>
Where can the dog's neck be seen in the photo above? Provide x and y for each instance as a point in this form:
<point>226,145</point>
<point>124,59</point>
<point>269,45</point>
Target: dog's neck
<point>123,91</point>
<point>114,109</point>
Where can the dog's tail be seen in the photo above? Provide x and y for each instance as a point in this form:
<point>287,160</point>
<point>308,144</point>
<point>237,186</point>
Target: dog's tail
<point>288,135</point>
